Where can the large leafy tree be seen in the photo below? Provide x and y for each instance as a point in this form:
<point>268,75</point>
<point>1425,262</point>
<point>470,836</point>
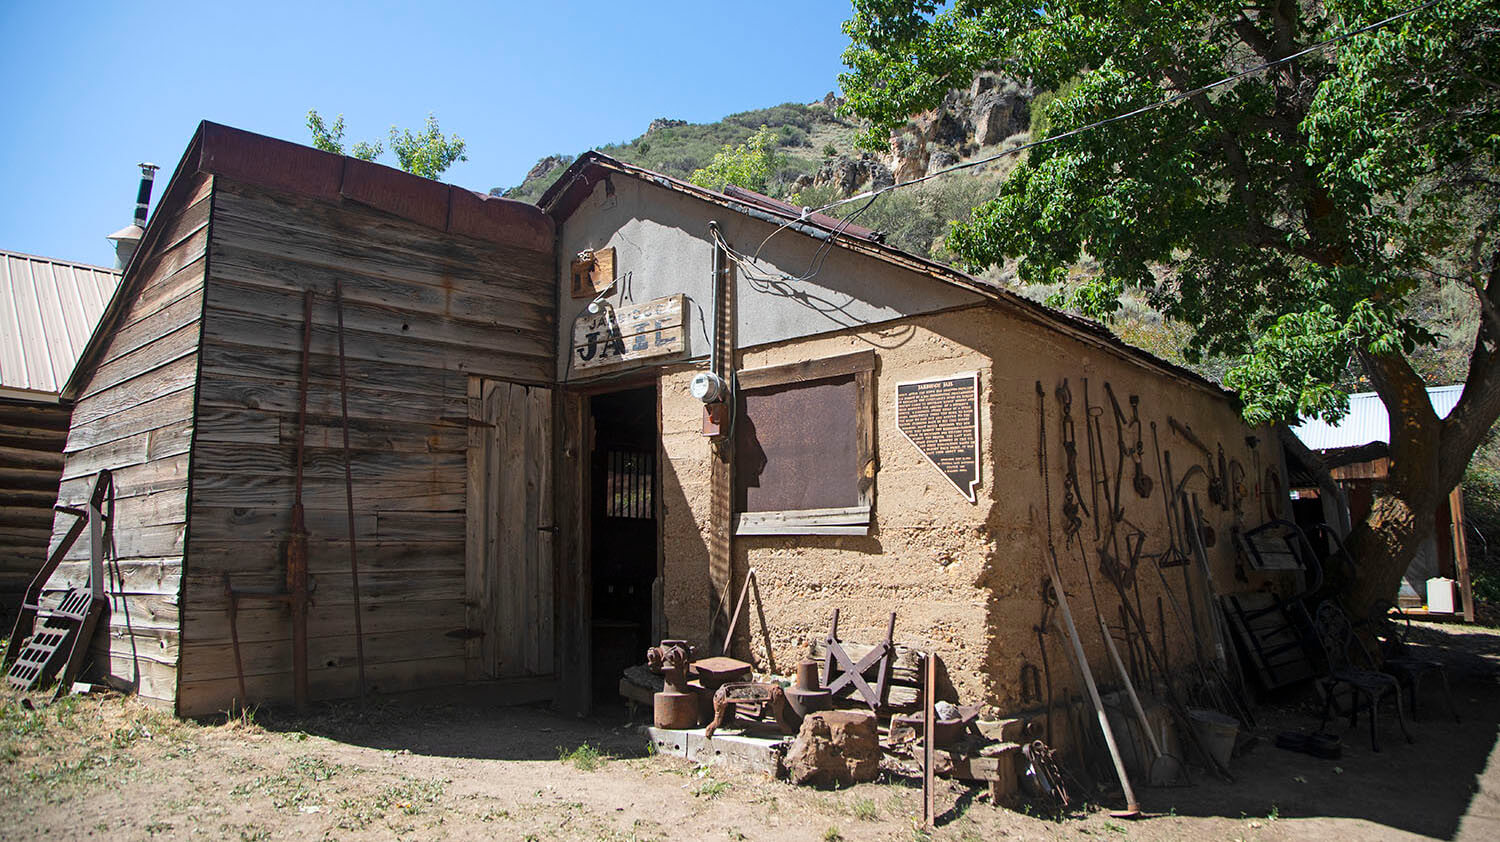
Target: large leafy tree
<point>1289,216</point>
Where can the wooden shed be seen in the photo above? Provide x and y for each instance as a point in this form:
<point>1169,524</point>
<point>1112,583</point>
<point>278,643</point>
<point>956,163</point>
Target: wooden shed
<point>545,478</point>
<point>189,394</point>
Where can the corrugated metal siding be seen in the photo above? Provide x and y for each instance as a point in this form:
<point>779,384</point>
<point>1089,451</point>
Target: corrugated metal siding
<point>1368,420</point>
<point>48,308</point>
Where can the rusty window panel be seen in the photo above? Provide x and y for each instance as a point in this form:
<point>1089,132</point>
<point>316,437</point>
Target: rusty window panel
<point>797,447</point>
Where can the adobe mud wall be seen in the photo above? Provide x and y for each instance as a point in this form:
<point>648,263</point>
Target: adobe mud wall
<point>965,578</point>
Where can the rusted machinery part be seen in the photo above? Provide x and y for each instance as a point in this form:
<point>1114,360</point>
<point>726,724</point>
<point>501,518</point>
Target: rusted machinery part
<point>674,710</point>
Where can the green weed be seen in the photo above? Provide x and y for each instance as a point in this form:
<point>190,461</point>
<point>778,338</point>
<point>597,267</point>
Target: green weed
<point>711,789</point>
<point>584,758</point>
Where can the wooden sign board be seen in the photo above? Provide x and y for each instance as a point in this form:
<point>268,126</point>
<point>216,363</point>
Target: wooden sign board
<point>591,277</point>
<point>941,417</point>
<point>616,336</point>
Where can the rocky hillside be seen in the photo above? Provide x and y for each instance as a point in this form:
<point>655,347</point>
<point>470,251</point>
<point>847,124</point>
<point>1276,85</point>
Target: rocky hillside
<point>820,162</point>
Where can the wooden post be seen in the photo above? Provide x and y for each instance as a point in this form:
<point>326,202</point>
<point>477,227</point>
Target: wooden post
<point>1461,551</point>
<point>929,742</point>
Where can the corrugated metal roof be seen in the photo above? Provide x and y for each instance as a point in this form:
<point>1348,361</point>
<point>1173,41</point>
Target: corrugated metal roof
<point>48,309</point>
<point>1367,420</point>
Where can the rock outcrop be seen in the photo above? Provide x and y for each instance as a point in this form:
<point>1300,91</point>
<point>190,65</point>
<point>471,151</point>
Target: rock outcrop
<point>547,165</point>
<point>988,111</point>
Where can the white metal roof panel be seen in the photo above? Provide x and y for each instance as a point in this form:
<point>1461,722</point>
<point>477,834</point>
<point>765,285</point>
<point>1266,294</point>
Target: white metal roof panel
<point>1367,420</point>
<point>48,309</point>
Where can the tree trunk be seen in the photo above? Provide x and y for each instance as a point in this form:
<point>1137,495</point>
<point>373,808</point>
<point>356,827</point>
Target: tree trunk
<point>1401,514</point>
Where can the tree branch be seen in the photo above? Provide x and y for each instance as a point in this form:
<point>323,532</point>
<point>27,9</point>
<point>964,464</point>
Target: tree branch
<point>1479,405</point>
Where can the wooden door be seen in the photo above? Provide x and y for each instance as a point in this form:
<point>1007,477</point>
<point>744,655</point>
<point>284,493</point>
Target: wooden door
<point>510,534</point>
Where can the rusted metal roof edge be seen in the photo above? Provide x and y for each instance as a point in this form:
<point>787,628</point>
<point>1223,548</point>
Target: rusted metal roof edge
<point>294,168</point>
<point>562,199</point>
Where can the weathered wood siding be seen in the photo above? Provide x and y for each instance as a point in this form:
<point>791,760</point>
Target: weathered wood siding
<point>31,446</point>
<point>423,311</point>
<point>134,415</point>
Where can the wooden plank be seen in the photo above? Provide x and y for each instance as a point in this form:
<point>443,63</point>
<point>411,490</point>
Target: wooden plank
<point>257,523</point>
<point>475,595</point>
<point>480,304</point>
<point>489,607</point>
<point>265,558</point>
<point>150,357</point>
<point>169,473</point>
<point>539,449</point>
<point>150,414</point>
<point>367,243</point>
<point>270,362</point>
<point>428,494</point>
<point>1460,545</point>
<point>818,369</point>
<point>473,337</point>
<point>213,696</point>
<point>259,621</point>
<point>573,595</point>
<point>530,361</point>
<point>171,377</point>
<point>273,657</point>
<point>324,464</point>
<point>140,542</point>
<point>619,336</point>
<point>172,314</point>
<point>510,614</point>
<point>372,434</point>
<point>150,681</point>
<point>377,587</point>
<point>233,391</point>
<point>149,576</point>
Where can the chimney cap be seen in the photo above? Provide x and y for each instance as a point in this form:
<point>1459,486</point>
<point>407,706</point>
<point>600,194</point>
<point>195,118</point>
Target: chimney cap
<point>130,232</point>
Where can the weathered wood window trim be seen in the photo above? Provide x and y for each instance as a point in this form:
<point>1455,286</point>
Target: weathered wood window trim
<point>851,520</point>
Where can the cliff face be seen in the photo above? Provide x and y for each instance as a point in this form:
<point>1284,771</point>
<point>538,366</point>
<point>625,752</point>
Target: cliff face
<point>987,112</point>
<point>816,142</point>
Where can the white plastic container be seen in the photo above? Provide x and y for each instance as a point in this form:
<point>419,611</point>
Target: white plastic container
<point>1439,595</point>
<point>1217,731</point>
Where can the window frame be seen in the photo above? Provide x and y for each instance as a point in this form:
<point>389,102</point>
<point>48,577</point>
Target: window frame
<point>853,520</point>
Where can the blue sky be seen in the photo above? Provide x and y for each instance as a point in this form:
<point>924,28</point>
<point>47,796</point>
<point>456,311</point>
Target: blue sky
<point>92,88</point>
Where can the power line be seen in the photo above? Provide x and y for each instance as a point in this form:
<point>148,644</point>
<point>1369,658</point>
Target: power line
<point>1172,100</point>
<point>746,262</point>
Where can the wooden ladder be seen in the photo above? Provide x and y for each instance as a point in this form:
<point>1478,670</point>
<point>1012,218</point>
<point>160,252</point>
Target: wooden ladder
<point>69,627</point>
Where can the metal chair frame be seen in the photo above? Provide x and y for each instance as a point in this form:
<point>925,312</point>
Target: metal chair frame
<point>1337,637</point>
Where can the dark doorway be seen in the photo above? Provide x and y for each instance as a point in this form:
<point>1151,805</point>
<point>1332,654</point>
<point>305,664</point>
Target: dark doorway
<point>623,520</point>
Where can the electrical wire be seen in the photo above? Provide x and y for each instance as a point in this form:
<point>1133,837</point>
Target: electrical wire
<point>1171,100</point>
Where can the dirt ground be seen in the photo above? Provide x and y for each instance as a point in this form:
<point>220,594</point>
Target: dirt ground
<point>108,767</point>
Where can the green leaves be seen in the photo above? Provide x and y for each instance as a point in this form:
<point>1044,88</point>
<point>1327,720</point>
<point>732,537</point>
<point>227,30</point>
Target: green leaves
<point>749,165</point>
<point>1288,217</point>
<point>427,153</point>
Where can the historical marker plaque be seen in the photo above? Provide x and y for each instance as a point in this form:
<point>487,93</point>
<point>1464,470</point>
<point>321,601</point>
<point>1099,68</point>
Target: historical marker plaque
<point>941,417</point>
